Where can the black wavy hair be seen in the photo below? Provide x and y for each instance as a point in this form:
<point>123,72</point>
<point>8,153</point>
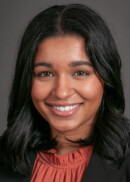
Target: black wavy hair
<point>26,128</point>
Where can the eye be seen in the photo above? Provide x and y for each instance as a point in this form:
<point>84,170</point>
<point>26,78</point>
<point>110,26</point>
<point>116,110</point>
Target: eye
<point>81,73</point>
<point>45,74</point>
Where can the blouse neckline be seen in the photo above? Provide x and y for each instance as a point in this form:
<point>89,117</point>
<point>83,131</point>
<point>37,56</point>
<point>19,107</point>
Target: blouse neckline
<point>71,159</point>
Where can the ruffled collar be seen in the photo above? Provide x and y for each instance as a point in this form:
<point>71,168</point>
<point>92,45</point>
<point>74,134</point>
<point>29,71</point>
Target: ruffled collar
<point>76,157</point>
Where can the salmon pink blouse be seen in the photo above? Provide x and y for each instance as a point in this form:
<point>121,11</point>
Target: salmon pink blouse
<point>50,167</point>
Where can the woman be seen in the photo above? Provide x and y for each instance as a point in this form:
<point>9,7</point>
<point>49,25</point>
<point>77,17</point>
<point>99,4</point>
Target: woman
<point>65,118</point>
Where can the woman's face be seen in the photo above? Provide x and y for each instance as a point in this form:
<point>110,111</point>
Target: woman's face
<point>66,90</point>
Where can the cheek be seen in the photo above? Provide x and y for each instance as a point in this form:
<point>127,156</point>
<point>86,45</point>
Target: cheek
<point>92,90</point>
<point>39,90</point>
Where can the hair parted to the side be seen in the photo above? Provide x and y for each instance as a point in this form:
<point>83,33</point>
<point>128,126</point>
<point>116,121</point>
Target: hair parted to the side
<point>26,129</point>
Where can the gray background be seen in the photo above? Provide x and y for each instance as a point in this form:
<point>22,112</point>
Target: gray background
<point>14,17</point>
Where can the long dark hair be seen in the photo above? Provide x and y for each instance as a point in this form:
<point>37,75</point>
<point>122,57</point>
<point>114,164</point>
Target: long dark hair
<point>26,128</point>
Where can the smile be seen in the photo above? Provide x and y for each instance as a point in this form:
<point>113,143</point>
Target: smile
<point>64,110</point>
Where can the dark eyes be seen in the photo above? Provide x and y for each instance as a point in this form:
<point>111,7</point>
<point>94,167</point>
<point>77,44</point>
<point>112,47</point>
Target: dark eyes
<point>45,74</point>
<point>81,73</point>
<point>48,74</point>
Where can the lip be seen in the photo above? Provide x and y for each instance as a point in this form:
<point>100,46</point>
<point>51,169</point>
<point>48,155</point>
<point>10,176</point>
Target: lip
<point>62,104</point>
<point>64,113</point>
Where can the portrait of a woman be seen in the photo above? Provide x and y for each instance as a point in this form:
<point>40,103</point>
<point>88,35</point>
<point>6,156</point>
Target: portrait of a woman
<point>66,118</point>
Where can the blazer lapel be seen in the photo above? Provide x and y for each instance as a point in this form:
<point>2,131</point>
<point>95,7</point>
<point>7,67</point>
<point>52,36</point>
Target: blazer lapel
<point>98,171</point>
<point>32,157</point>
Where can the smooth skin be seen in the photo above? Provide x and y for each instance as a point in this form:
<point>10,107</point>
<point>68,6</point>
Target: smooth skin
<point>63,75</point>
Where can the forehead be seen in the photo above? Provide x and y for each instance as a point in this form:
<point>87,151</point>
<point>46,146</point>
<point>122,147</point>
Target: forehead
<point>61,48</point>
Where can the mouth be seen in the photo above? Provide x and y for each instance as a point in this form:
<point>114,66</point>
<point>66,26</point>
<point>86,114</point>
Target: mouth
<point>64,110</point>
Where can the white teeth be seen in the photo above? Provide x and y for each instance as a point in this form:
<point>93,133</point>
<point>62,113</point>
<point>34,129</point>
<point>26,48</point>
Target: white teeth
<point>66,108</point>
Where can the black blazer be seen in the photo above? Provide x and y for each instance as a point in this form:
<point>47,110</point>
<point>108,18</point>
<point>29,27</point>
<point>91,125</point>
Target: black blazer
<point>97,171</point>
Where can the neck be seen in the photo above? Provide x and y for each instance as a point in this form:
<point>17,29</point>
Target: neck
<point>64,146</point>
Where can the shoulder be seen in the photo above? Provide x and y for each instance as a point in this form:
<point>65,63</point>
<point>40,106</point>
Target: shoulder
<point>6,172</point>
<point>98,170</point>
<point>124,170</point>
<point>126,162</point>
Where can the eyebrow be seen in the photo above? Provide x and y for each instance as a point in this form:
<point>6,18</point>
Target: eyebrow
<point>80,63</point>
<point>72,64</point>
<point>43,64</point>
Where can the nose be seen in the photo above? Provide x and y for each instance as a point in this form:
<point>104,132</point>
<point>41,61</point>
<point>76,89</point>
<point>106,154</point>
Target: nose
<point>63,88</point>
